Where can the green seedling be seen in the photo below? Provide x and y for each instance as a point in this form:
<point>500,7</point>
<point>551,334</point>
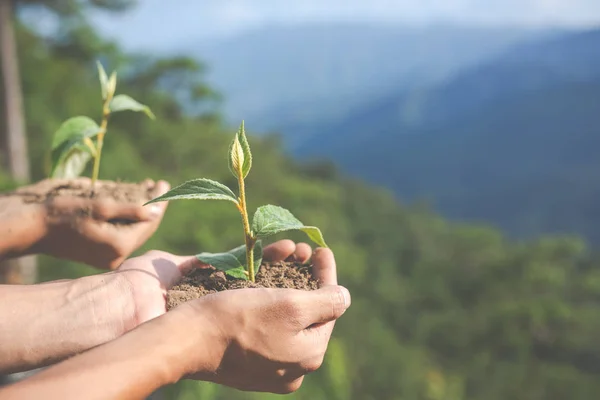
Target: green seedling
<point>242,262</point>
<point>79,139</point>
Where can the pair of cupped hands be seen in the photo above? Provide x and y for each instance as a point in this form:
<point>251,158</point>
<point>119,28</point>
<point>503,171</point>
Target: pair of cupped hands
<point>261,339</point>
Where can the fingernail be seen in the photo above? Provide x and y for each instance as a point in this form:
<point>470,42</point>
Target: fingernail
<point>156,210</point>
<point>347,298</point>
<point>162,187</point>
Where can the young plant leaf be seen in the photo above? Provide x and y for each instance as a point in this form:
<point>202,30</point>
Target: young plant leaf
<point>111,86</point>
<point>199,189</point>
<point>269,220</point>
<point>75,128</point>
<point>233,262</point>
<point>236,157</point>
<point>240,157</point>
<point>240,254</point>
<point>68,148</point>
<point>103,80</point>
<point>73,164</point>
<point>225,262</point>
<point>122,102</point>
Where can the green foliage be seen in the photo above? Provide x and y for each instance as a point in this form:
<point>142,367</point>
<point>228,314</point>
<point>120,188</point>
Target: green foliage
<point>240,156</point>
<point>70,153</point>
<point>104,85</point>
<point>71,164</point>
<point>234,261</point>
<point>75,129</point>
<point>72,147</point>
<point>225,262</point>
<point>122,102</point>
<point>198,189</point>
<point>268,220</point>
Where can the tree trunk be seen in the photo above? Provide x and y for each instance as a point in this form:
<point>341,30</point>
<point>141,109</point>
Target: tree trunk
<point>14,140</point>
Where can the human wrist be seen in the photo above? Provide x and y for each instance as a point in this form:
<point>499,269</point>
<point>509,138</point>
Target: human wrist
<point>122,297</point>
<point>108,300</point>
<point>22,227</point>
<point>202,341</point>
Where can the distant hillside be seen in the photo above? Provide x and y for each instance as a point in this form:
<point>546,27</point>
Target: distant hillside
<point>281,78</point>
<point>515,141</point>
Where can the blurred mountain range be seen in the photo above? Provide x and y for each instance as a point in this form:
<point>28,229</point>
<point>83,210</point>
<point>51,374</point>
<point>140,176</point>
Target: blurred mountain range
<point>514,141</point>
<point>292,78</point>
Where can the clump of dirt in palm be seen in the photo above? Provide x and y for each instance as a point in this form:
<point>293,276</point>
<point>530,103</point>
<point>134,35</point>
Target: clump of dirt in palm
<point>203,281</point>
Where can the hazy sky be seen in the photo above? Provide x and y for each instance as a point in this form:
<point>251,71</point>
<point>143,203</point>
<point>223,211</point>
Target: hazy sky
<point>162,23</point>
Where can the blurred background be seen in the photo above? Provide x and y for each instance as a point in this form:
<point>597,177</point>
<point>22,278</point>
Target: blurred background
<point>448,149</point>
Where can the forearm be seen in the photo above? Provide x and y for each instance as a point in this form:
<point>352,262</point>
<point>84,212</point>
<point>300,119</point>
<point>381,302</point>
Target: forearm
<point>22,226</point>
<point>131,367</point>
<point>43,324</point>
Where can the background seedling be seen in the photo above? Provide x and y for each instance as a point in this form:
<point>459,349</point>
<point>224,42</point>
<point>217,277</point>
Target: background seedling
<point>80,138</point>
<point>244,261</point>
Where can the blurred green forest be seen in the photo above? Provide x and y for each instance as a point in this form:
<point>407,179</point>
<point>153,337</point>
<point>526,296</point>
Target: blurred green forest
<point>440,310</point>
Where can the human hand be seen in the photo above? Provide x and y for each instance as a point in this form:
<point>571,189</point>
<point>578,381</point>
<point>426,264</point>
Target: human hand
<point>149,276</point>
<point>250,339</point>
<point>264,339</point>
<point>92,237</point>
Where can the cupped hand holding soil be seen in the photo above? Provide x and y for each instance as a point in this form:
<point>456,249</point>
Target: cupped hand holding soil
<point>69,220</point>
<point>269,339</point>
<point>258,339</point>
<point>151,276</point>
<point>277,335</point>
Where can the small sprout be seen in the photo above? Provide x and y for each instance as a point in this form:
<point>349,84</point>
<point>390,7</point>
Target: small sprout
<point>103,80</point>
<point>111,86</point>
<point>80,139</point>
<point>242,262</point>
<point>240,158</point>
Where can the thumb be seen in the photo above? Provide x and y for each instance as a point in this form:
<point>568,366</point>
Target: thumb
<point>325,304</point>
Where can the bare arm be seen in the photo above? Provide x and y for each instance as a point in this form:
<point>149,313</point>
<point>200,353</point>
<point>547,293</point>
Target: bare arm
<point>131,367</point>
<point>43,324</point>
<point>250,339</point>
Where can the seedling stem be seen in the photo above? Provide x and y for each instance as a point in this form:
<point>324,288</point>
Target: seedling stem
<point>100,142</point>
<point>249,239</point>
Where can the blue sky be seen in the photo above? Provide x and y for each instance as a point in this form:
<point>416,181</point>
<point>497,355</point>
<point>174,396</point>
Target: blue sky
<point>160,24</point>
